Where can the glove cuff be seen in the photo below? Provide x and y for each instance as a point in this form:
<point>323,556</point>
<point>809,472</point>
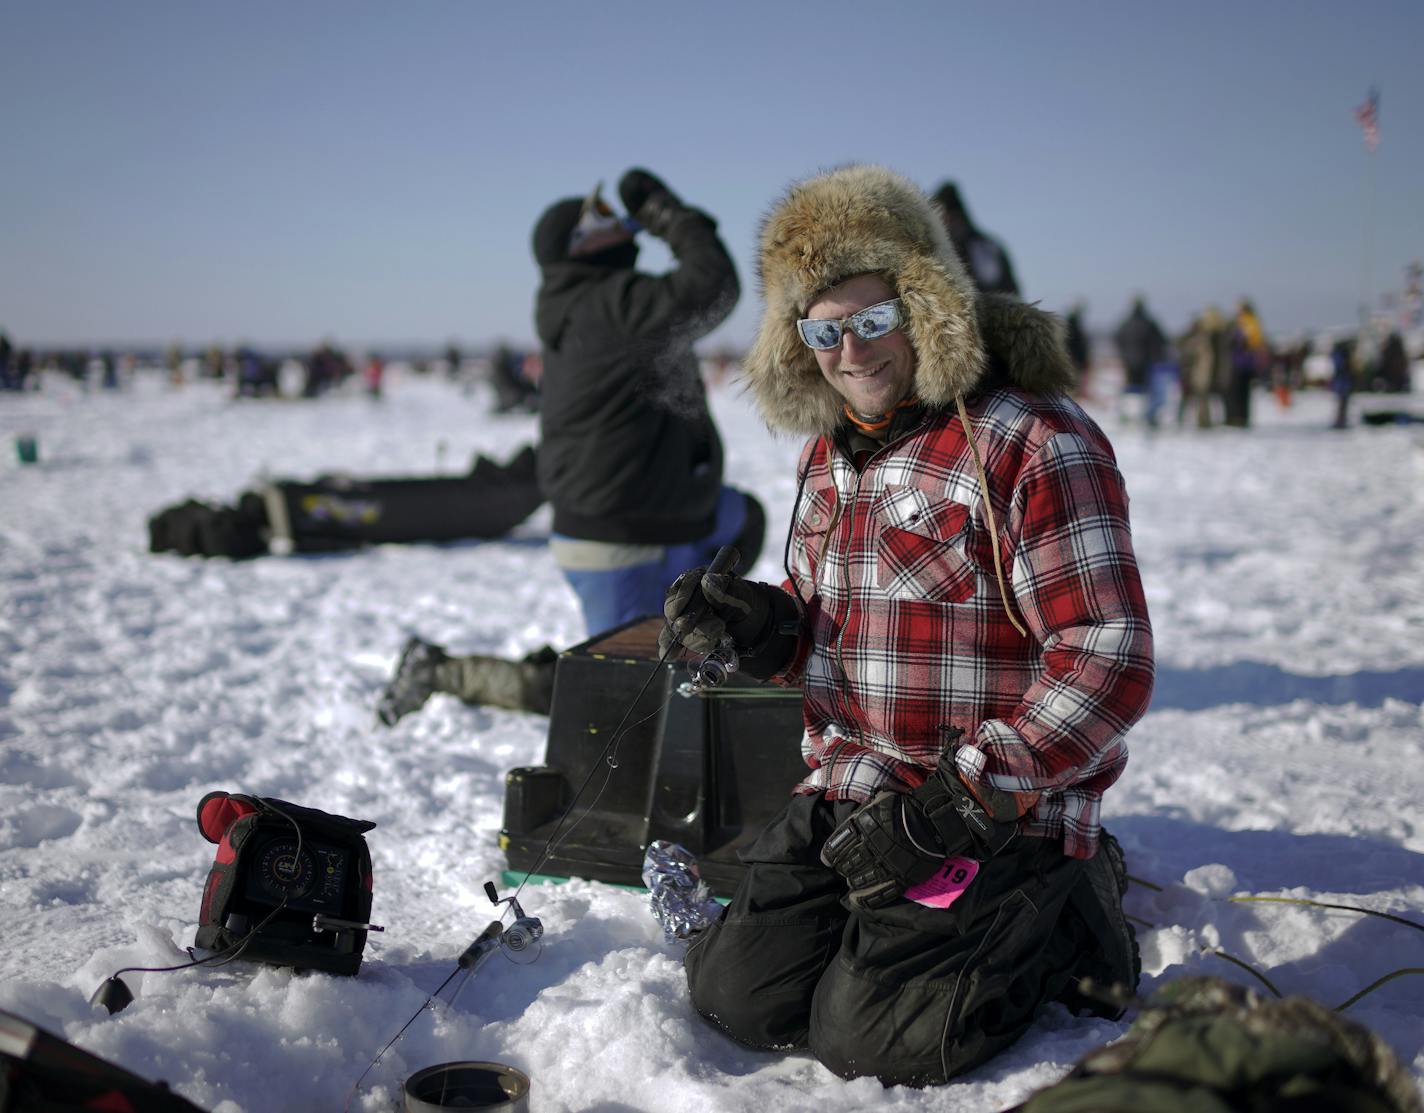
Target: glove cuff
<point>953,810</point>
<point>775,644</point>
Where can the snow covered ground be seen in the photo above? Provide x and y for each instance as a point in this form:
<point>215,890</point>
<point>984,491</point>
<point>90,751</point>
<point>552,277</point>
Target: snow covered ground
<point>1283,755</point>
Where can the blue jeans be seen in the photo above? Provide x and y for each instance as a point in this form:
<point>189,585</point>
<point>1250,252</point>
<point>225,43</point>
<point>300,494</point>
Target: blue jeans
<point>616,595</point>
<point>1160,378</point>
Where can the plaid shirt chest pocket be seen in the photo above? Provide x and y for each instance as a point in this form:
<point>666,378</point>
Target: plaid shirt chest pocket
<point>921,549</point>
<point>817,515</point>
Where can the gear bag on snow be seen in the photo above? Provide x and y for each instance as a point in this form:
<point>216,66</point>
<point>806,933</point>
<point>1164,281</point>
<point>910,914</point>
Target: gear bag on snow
<point>1206,1045</point>
<point>42,1073</point>
<point>335,512</point>
<point>194,528</point>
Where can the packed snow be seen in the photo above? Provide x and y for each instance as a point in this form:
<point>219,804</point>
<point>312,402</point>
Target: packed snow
<point>1283,754</point>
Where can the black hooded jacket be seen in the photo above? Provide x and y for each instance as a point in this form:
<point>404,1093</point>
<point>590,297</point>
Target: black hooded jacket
<point>984,256</point>
<point>628,450</point>
<point>1141,343</point>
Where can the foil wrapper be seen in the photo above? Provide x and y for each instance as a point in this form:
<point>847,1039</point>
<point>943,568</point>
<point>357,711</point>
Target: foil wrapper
<point>680,898</point>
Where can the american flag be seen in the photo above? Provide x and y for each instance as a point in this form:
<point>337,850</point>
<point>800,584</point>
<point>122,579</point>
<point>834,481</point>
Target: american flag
<point>1368,116</point>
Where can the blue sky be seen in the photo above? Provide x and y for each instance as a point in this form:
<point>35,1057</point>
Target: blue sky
<point>281,172</point>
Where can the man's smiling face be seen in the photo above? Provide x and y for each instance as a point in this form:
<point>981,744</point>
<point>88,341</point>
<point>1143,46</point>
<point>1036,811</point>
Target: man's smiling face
<point>871,375</point>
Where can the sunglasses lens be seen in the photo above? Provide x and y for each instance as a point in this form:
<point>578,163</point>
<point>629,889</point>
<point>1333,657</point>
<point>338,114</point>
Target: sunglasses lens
<point>820,334</point>
<point>875,321</point>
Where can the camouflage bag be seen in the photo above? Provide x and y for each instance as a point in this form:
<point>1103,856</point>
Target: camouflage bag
<point>1205,1045</point>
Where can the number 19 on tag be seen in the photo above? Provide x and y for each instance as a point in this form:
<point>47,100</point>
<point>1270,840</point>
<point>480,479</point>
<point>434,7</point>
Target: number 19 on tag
<point>946,886</point>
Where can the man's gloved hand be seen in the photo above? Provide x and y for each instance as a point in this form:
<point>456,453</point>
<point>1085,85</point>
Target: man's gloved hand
<point>900,839</point>
<point>649,201</point>
<point>702,608</point>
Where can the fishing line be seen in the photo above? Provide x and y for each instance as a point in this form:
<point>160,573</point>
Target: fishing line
<point>608,758</point>
<point>356,1086</point>
<point>1405,971</point>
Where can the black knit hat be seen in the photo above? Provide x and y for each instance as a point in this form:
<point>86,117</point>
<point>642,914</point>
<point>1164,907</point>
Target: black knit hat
<point>551,234</point>
<point>947,197</point>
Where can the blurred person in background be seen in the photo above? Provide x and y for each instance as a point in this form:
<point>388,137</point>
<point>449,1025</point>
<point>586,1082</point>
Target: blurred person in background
<point>985,257</point>
<point>1250,359</point>
<point>1288,370</point>
<point>373,375</point>
<point>1079,346</point>
<point>173,363</point>
<point>1342,379</point>
<point>1142,345</point>
<point>255,374</point>
<point>1392,375</point>
<point>512,391</point>
<point>23,367</point>
<point>1203,356</point>
<point>327,367</point>
<point>454,360</point>
<point>214,362</point>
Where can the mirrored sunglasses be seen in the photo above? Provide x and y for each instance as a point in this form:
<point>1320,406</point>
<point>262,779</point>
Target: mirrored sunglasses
<point>870,323</point>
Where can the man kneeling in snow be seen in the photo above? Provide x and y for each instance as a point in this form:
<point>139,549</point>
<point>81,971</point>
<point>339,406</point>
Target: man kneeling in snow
<point>964,613</point>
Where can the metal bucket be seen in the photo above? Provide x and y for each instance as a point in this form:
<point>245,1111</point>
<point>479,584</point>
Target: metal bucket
<point>469,1085</point>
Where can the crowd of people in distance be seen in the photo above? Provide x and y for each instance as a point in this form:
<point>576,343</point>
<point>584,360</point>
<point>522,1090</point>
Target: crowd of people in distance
<point>1217,366</point>
<point>23,368</point>
<point>253,372</point>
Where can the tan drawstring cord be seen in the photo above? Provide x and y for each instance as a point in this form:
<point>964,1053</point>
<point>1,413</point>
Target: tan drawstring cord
<point>988,511</point>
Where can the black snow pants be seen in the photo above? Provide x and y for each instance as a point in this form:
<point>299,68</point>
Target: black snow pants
<point>908,994</point>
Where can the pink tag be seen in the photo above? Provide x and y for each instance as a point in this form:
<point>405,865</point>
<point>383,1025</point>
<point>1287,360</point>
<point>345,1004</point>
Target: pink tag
<point>946,886</point>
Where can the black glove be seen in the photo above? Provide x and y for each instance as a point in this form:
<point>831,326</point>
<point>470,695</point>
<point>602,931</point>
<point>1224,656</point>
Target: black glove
<point>649,201</point>
<point>702,608</point>
<point>900,839</point>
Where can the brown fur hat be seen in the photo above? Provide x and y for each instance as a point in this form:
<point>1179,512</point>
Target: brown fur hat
<point>861,219</point>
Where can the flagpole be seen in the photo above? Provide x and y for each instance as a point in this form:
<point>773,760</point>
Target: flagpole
<point>1367,115</point>
<point>1367,278</point>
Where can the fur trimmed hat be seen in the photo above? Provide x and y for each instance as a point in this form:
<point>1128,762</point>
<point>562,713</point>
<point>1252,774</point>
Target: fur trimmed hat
<point>865,219</point>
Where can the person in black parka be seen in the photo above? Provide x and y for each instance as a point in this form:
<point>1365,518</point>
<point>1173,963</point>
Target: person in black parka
<point>1141,343</point>
<point>984,256</point>
<point>629,455</point>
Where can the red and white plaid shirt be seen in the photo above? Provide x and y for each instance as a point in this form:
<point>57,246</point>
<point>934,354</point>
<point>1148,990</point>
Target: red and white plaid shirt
<point>906,635</point>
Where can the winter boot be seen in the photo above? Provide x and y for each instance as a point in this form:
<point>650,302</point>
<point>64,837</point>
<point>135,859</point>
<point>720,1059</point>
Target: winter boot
<point>1110,960</point>
<point>526,685</point>
<point>413,682</point>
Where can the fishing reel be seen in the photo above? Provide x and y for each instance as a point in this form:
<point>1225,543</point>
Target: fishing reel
<point>713,669</point>
<point>524,932</point>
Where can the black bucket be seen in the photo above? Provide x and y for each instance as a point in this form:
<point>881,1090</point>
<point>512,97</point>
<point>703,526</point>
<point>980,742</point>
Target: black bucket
<point>467,1086</point>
